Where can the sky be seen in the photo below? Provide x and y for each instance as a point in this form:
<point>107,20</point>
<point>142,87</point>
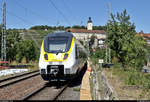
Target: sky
<point>28,13</point>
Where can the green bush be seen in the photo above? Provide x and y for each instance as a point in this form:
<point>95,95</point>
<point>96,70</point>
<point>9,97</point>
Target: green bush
<point>146,81</point>
<point>26,49</point>
<point>132,79</point>
<point>132,76</point>
<point>137,78</point>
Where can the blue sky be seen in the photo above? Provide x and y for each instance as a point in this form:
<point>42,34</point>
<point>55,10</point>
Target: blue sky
<point>27,13</point>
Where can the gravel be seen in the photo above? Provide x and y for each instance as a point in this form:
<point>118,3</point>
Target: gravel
<point>46,94</point>
<point>19,90</point>
<point>70,94</point>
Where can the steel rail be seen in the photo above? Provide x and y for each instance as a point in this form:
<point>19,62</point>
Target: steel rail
<point>60,92</point>
<point>34,92</point>
<point>18,80</point>
<point>13,77</point>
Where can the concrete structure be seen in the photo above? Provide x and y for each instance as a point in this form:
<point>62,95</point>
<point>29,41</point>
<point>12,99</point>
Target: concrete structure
<point>85,34</point>
<point>85,91</point>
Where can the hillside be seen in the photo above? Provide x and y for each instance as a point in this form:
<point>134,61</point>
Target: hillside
<point>35,35</point>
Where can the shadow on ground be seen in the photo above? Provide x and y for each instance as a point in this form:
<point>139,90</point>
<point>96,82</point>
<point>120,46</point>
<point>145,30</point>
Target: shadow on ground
<point>78,80</point>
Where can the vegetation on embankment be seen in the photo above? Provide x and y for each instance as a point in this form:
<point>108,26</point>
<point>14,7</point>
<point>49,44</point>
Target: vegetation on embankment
<point>129,53</point>
<point>129,82</point>
<point>128,48</point>
<point>17,48</point>
<point>132,76</point>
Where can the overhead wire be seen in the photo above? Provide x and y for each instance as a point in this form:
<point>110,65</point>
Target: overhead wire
<point>12,14</point>
<point>66,6</point>
<point>69,10</point>
<point>52,3</point>
<point>28,22</point>
<point>32,12</point>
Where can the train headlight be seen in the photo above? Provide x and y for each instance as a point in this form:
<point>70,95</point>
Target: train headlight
<point>65,56</point>
<point>46,56</point>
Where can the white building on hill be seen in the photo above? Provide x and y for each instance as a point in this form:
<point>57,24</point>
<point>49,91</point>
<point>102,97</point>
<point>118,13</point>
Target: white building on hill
<point>85,34</point>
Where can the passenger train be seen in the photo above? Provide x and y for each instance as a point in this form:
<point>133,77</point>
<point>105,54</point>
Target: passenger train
<point>61,56</point>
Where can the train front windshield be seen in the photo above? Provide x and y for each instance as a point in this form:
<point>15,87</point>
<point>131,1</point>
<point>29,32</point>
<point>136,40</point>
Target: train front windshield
<point>57,44</point>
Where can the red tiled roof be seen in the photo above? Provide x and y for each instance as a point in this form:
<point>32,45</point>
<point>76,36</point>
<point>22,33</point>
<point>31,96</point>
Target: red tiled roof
<point>144,34</point>
<point>86,31</point>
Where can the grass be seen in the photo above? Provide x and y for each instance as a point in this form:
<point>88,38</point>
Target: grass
<point>42,32</point>
<point>132,77</point>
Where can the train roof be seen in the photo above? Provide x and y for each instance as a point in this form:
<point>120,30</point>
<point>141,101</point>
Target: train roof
<point>68,34</point>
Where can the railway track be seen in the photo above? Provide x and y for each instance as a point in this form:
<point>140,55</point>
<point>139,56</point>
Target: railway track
<point>17,78</point>
<point>50,91</point>
<point>53,92</point>
<point>30,86</point>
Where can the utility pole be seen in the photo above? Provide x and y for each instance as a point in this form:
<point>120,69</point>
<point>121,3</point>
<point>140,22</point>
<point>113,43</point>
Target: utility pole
<point>3,42</point>
<point>108,29</point>
<point>88,40</point>
<point>108,50</point>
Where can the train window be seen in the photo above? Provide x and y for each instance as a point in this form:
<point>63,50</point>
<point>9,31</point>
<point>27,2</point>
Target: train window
<point>57,44</point>
<point>57,47</point>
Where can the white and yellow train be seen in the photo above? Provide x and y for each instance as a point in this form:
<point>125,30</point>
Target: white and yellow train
<point>61,56</point>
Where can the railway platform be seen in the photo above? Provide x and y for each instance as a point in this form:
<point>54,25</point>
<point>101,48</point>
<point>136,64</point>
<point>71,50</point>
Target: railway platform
<point>85,93</point>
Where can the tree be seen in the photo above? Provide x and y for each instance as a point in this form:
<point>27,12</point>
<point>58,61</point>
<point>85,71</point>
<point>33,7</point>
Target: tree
<point>43,27</point>
<point>12,38</point>
<point>122,39</point>
<point>26,49</point>
<point>16,49</point>
<point>78,27</point>
<point>99,28</point>
<point>139,55</point>
<point>91,42</point>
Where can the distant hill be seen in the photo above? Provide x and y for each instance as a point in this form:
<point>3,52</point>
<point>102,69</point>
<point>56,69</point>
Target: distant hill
<point>45,27</point>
